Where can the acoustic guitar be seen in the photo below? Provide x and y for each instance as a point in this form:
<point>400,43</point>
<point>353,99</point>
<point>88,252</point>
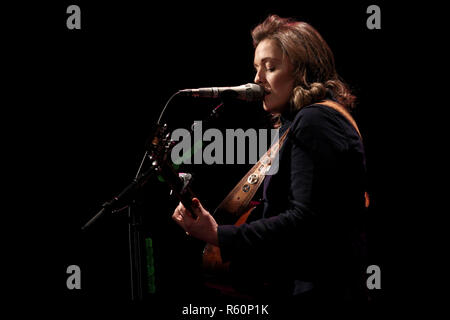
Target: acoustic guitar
<point>234,209</point>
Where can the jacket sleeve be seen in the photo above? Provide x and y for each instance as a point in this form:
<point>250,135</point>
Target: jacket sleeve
<point>314,140</point>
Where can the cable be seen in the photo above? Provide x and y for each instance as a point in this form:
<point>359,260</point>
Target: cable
<point>140,166</point>
<point>167,103</point>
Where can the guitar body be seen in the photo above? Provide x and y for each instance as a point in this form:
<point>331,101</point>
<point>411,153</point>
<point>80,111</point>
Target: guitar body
<point>212,260</point>
<point>216,271</point>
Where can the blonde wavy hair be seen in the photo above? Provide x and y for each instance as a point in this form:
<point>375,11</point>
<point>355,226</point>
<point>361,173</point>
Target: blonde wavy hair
<point>313,61</point>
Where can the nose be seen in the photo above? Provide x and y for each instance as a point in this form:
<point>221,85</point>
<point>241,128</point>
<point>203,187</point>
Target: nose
<point>259,77</point>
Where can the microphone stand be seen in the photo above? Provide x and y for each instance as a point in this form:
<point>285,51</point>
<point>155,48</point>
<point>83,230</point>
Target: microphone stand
<point>135,236</point>
<point>135,239</point>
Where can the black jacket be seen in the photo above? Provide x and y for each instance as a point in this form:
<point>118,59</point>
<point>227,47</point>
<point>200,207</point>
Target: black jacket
<point>307,233</point>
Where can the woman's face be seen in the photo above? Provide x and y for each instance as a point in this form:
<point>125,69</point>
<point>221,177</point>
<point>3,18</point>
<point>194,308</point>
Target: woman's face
<point>274,73</point>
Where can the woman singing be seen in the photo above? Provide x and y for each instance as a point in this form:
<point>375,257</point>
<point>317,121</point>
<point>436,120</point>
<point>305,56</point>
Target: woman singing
<point>303,241</point>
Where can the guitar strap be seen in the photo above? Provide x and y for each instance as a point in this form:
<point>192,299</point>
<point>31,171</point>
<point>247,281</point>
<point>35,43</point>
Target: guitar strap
<point>336,106</point>
<point>237,202</point>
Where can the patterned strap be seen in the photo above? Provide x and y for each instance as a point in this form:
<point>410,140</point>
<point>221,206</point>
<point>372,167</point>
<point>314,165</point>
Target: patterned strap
<point>237,202</point>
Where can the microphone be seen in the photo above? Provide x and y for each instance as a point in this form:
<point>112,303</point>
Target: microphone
<point>246,92</point>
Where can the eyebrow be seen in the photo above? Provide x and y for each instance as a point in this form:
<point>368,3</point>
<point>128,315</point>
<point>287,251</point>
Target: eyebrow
<point>265,59</point>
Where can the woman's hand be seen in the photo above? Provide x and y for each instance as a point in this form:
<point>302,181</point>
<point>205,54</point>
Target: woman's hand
<point>204,227</point>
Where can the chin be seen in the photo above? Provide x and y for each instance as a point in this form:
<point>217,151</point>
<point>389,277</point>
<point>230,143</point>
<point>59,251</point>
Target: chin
<point>271,108</point>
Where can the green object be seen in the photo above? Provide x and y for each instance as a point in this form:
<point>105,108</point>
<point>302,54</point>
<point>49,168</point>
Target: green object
<point>150,265</point>
<point>176,164</point>
<point>198,145</point>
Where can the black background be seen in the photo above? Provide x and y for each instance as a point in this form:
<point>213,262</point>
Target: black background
<point>92,95</point>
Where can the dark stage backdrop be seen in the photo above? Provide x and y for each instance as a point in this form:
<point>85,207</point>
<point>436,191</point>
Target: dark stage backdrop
<point>93,95</point>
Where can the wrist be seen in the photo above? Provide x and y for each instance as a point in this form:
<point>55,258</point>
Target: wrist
<point>214,239</point>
